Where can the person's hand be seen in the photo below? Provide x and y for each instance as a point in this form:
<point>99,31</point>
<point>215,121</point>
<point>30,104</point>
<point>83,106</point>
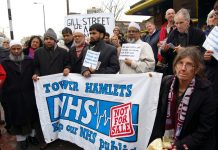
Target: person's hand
<point>165,47</point>
<point>170,147</point>
<point>91,69</point>
<point>128,61</point>
<point>178,48</point>
<point>66,71</point>
<point>86,73</point>
<point>35,77</point>
<point>208,55</point>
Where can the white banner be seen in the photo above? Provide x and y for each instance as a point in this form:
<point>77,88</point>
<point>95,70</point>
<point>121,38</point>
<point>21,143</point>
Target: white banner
<point>83,22</point>
<point>105,112</point>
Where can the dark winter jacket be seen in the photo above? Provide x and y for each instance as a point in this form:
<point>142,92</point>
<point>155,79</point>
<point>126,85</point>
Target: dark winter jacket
<point>198,128</point>
<point>195,37</point>
<point>48,61</point>
<point>108,58</point>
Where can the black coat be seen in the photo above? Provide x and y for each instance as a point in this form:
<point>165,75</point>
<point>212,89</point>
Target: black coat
<point>198,128</point>
<point>18,94</point>
<point>108,58</point>
<point>152,41</point>
<point>76,62</point>
<point>3,54</point>
<point>48,62</point>
<point>195,37</point>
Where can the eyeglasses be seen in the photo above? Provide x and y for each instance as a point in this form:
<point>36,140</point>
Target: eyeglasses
<point>215,13</point>
<point>132,31</point>
<point>188,66</point>
<point>77,36</point>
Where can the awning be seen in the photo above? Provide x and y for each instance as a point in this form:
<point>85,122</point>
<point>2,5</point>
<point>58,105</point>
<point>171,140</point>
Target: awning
<point>141,6</point>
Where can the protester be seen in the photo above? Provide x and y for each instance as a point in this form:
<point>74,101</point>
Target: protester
<point>34,43</point>
<point>50,59</point>
<point>115,42</point>
<point>18,99</point>
<point>165,30</point>
<point>5,43</point>
<point>120,35</point>
<point>210,22</point>
<point>212,66</point>
<point>184,35</point>
<point>152,37</point>
<point>76,52</point>
<point>186,111</point>
<point>108,60</point>
<point>107,38</point>
<point>146,60</point>
<point>68,39</point>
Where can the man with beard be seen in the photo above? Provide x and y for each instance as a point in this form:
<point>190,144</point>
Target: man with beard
<point>108,60</point>
<point>68,39</point>
<point>76,52</point>
<point>18,99</point>
<point>49,59</point>
<point>146,60</point>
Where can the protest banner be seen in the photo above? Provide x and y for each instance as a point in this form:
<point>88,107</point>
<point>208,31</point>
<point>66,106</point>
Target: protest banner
<point>211,42</point>
<point>131,51</point>
<point>105,112</point>
<point>83,22</point>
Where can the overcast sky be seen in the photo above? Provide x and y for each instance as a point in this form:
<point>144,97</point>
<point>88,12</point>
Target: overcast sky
<point>27,17</point>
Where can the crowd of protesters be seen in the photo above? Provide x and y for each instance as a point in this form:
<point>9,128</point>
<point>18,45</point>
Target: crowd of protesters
<point>187,107</point>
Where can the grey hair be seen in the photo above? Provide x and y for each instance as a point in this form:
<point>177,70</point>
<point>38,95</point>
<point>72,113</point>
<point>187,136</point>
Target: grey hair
<point>210,15</point>
<point>184,12</point>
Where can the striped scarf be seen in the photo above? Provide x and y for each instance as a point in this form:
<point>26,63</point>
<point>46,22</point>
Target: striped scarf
<point>176,116</point>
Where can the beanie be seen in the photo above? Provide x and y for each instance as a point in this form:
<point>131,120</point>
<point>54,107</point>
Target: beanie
<point>50,33</point>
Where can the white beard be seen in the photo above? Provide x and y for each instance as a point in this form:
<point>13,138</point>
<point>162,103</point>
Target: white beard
<point>131,40</point>
<point>16,58</point>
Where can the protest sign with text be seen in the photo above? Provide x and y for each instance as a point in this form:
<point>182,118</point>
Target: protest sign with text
<point>91,59</point>
<point>83,22</point>
<point>101,112</point>
<point>211,42</point>
<point>131,51</point>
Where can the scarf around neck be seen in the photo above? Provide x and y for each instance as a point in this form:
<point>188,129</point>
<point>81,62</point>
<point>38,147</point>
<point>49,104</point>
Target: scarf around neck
<point>176,116</point>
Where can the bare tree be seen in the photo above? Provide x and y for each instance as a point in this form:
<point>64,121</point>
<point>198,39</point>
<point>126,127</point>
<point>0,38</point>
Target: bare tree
<point>114,6</point>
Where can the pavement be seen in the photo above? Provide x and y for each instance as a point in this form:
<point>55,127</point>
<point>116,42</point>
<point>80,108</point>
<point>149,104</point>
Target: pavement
<point>8,142</point>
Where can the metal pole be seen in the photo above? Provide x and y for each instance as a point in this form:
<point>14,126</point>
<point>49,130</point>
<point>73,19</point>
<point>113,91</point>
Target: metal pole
<point>10,19</point>
<point>44,17</point>
<point>68,7</point>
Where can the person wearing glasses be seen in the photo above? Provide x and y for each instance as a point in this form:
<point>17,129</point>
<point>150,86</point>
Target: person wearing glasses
<point>76,52</point>
<point>184,35</point>
<point>186,112</point>
<point>146,62</point>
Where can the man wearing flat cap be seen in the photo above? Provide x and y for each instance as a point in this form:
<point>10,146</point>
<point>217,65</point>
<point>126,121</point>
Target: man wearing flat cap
<point>18,99</point>
<point>146,61</point>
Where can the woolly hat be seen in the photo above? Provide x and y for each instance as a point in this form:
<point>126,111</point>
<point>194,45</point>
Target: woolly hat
<point>50,33</point>
<point>15,42</point>
<point>135,25</point>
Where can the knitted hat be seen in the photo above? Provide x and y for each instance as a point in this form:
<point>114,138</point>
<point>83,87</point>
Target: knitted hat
<point>15,42</point>
<point>50,33</point>
<point>135,25</point>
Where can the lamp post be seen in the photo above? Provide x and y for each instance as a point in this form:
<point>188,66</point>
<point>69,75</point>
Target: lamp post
<point>43,13</point>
